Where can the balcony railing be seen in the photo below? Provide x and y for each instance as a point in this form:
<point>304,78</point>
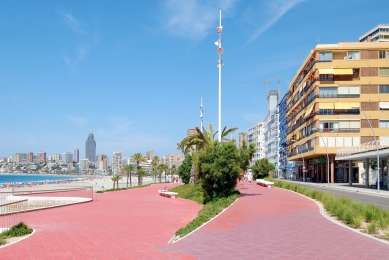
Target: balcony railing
<point>352,130</point>
<point>339,96</point>
<point>326,78</point>
<point>338,112</point>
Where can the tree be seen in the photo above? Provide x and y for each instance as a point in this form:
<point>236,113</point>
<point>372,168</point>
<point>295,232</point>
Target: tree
<point>219,170</point>
<point>200,141</point>
<point>246,154</point>
<point>262,167</point>
<point>128,169</point>
<point>154,166</point>
<point>184,169</point>
<point>116,179</point>
<point>162,168</point>
<point>141,172</point>
<point>138,157</point>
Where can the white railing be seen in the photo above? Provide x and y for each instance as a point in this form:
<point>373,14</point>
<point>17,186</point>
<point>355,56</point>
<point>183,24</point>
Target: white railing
<point>365,147</point>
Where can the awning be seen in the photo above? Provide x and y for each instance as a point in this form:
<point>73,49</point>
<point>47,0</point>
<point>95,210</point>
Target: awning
<point>326,105</point>
<point>384,105</point>
<point>346,105</point>
<point>309,110</point>
<point>343,71</point>
<point>326,71</point>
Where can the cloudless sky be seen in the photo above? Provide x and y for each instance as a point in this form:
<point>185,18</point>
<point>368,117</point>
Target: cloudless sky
<point>133,72</point>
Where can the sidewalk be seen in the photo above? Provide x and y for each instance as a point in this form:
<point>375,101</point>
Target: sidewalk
<point>263,223</point>
<point>345,186</point>
<point>276,224</point>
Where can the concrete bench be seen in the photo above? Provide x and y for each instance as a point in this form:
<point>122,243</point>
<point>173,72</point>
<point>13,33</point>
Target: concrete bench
<point>168,194</point>
<point>265,183</point>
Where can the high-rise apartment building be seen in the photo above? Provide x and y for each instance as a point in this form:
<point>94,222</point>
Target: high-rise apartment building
<point>76,155</point>
<point>380,33</point>
<point>41,157</point>
<point>117,162</point>
<point>84,165</point>
<point>30,157</point>
<point>255,136</point>
<point>150,155</point>
<point>191,131</point>
<point>102,162</point>
<point>56,158</point>
<point>67,157</point>
<point>242,136</point>
<point>90,148</point>
<point>325,103</point>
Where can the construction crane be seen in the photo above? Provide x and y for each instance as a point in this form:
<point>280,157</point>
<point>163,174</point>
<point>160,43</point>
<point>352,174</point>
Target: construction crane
<point>267,82</point>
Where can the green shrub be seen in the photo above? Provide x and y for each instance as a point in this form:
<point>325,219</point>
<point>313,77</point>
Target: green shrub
<point>372,228</point>
<point>190,192</point>
<point>219,170</point>
<point>371,212</point>
<point>184,169</point>
<point>356,221</point>
<point>18,230</point>
<point>382,221</point>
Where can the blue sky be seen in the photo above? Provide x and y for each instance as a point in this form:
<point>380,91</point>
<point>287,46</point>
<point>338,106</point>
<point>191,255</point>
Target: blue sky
<point>133,72</point>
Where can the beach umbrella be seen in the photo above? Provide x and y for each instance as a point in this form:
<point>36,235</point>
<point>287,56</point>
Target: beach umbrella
<point>7,185</point>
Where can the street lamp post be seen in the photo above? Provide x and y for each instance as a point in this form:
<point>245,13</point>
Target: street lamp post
<point>220,65</point>
<point>328,160</point>
<point>376,146</point>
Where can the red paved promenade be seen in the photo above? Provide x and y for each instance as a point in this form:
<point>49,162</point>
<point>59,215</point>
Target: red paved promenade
<point>137,224</point>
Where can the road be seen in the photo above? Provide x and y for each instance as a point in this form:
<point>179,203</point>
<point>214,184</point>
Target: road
<point>354,194</point>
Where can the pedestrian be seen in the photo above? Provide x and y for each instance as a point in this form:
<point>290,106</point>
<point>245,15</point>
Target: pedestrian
<point>250,176</point>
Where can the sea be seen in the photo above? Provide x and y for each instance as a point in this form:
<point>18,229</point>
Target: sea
<point>35,178</point>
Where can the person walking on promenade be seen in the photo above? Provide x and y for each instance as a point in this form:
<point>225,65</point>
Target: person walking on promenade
<point>249,176</point>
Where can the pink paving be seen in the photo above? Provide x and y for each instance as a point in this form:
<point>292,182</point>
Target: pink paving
<point>117,225</point>
<point>276,224</point>
<point>137,224</point>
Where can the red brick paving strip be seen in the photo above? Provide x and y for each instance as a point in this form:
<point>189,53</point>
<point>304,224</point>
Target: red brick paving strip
<point>276,224</point>
<point>117,225</point>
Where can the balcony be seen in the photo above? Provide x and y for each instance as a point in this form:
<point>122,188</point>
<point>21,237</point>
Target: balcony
<point>339,130</point>
<point>326,78</point>
<point>339,96</point>
<point>337,112</point>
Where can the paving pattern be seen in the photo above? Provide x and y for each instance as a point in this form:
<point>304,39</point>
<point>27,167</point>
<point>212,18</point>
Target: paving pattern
<point>137,224</point>
<point>116,225</point>
<point>276,224</point>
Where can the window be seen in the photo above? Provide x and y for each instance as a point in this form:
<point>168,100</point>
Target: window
<point>384,123</point>
<point>325,56</point>
<point>384,88</point>
<point>384,54</point>
<point>328,92</point>
<point>383,72</point>
<point>311,96</point>
<point>353,55</point>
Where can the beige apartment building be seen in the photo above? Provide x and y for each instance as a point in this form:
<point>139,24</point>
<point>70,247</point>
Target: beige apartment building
<point>325,104</point>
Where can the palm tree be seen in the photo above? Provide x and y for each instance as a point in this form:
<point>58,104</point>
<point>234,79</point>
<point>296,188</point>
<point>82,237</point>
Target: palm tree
<point>138,157</point>
<point>199,141</point>
<point>141,172</point>
<point>162,168</point>
<point>116,179</point>
<point>128,169</point>
<point>154,166</point>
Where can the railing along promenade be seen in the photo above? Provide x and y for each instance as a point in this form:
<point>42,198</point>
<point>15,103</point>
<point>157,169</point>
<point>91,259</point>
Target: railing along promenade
<point>15,203</point>
<point>364,147</point>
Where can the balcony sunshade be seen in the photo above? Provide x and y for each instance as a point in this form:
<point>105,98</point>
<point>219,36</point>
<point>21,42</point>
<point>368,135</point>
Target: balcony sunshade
<point>309,110</point>
<point>326,105</point>
<point>346,105</point>
<point>384,105</point>
<point>326,71</point>
<point>343,71</point>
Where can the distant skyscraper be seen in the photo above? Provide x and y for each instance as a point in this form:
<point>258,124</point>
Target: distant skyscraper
<point>30,157</point>
<point>76,155</point>
<point>67,157</point>
<point>41,157</point>
<point>150,155</point>
<point>90,148</point>
<point>242,136</point>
